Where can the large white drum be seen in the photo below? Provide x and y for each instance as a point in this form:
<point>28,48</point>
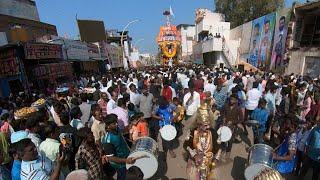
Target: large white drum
<point>260,158</point>
<point>145,151</point>
<point>168,132</point>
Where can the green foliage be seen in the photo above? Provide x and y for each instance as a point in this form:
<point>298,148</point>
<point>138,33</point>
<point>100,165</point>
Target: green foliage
<point>238,12</point>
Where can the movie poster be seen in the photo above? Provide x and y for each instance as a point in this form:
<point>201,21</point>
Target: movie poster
<point>261,41</point>
<point>279,42</point>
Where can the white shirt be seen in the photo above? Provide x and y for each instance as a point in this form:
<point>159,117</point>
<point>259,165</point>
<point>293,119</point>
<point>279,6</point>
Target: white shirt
<point>254,96</point>
<point>134,97</point>
<point>210,87</point>
<point>55,117</point>
<point>192,107</point>
<point>184,82</point>
<point>111,105</point>
<point>146,105</point>
<point>174,94</point>
<point>76,123</point>
<point>244,81</point>
<point>86,110</point>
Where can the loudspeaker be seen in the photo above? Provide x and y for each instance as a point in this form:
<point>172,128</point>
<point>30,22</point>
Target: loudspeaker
<point>241,67</point>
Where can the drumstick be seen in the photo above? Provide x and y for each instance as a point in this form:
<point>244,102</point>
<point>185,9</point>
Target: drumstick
<point>140,157</point>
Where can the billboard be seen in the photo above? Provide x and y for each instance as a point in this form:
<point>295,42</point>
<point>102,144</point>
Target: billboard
<point>91,31</point>
<point>280,36</point>
<point>261,41</point>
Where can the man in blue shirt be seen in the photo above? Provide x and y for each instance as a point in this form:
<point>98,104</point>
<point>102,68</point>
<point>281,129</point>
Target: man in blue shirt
<point>313,153</point>
<point>220,96</point>
<point>261,115</point>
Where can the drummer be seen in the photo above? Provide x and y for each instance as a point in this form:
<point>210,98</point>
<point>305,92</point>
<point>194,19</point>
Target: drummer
<point>164,113</point>
<point>285,155</point>
<point>115,147</point>
<point>232,115</point>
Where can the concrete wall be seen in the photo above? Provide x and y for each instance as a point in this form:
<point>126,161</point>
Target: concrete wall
<point>20,8</point>
<point>297,60</point>
<point>236,33</point>
<point>187,37</point>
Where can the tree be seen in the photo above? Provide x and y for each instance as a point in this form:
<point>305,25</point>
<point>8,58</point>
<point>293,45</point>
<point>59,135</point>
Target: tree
<point>238,12</point>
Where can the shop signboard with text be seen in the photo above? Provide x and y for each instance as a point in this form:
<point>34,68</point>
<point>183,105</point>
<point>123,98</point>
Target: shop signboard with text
<point>76,50</point>
<point>42,51</point>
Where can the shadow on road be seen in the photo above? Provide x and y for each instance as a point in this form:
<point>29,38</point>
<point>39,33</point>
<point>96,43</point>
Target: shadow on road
<point>239,165</point>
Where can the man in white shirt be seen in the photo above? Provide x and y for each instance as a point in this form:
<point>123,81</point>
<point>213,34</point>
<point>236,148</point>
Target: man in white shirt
<point>112,102</point>
<point>191,101</point>
<point>85,108</point>
<point>146,104</point>
<point>245,80</point>
<point>134,95</point>
<point>185,81</point>
<point>253,97</point>
<point>210,86</point>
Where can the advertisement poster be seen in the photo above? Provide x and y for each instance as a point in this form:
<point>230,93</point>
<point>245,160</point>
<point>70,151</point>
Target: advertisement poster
<point>279,42</point>
<point>261,41</point>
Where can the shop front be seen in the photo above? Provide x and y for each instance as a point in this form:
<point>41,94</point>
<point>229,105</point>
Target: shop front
<point>44,65</point>
<point>91,66</point>
<point>11,74</point>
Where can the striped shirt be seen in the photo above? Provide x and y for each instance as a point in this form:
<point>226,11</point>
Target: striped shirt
<point>39,169</point>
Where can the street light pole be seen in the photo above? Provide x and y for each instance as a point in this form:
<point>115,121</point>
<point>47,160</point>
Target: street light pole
<point>137,42</point>
<point>125,63</point>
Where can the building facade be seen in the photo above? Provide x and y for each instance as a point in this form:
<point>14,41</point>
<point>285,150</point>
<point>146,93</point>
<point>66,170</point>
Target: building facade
<point>24,30</point>
<point>188,33</point>
<point>213,45</point>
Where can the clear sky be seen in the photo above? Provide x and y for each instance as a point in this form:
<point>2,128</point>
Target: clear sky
<point>117,13</point>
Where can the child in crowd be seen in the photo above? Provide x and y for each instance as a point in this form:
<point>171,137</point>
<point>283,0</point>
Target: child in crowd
<point>178,115</point>
<point>131,110</point>
<point>139,127</point>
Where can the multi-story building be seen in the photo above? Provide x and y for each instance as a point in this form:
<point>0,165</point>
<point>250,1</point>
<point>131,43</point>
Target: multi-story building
<point>188,32</point>
<point>212,39</point>
<point>303,43</point>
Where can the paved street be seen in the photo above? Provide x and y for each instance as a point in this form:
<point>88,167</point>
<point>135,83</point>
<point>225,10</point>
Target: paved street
<point>175,169</point>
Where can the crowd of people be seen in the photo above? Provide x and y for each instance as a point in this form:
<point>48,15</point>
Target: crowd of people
<point>86,127</point>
